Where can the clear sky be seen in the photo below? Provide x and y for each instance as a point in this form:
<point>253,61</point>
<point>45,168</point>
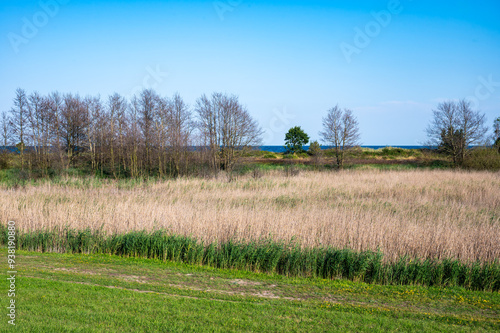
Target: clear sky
<point>288,61</point>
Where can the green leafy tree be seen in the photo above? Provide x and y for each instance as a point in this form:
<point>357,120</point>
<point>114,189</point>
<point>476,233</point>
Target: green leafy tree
<point>295,139</point>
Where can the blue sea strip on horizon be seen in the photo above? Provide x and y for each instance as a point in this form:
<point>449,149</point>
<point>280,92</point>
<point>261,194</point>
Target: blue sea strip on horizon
<point>273,149</point>
<point>282,149</point>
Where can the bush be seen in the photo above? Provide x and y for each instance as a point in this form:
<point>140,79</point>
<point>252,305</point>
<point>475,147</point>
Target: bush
<point>270,155</point>
<point>483,159</point>
<point>386,152</point>
<point>399,152</point>
<point>291,156</point>
<point>314,148</point>
<point>4,161</point>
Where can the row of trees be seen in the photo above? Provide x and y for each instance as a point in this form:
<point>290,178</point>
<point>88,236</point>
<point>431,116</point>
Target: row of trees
<point>150,134</point>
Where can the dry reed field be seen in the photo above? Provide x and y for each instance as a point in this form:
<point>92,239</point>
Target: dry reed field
<point>422,213</point>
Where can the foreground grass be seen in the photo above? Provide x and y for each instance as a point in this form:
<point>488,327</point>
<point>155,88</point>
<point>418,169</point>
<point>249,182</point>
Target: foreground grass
<point>95,293</point>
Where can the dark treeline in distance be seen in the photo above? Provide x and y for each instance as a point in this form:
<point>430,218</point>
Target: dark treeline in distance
<point>150,135</point>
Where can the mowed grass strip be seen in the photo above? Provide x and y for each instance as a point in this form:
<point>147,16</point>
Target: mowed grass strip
<point>95,293</point>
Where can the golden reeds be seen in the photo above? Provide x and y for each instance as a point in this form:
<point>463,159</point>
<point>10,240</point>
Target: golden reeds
<point>422,213</point>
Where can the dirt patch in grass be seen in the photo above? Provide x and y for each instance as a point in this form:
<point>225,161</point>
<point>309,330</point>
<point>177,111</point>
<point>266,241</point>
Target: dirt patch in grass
<point>245,282</point>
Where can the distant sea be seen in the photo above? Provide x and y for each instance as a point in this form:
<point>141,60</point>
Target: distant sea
<point>281,149</point>
<point>273,149</point>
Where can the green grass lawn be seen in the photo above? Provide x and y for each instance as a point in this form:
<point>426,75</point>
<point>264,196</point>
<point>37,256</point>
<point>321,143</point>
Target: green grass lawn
<point>97,293</point>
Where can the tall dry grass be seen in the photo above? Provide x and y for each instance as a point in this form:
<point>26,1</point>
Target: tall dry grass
<point>426,214</point>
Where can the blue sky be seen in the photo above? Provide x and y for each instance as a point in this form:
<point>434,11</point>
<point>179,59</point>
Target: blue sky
<point>286,60</point>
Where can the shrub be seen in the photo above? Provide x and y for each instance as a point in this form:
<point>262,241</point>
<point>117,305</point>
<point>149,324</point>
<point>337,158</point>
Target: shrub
<point>291,156</point>
<point>316,153</point>
<point>396,152</point>
<point>483,159</point>
<point>270,155</point>
<point>314,148</point>
<point>4,161</point>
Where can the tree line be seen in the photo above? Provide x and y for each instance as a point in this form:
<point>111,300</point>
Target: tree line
<point>148,135</point>
<point>157,135</point>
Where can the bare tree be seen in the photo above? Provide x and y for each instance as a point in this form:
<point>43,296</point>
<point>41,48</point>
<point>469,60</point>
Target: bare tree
<point>40,124</point>
<point>207,125</point>
<point>340,130</point>
<point>35,114</point>
<point>38,121</point>
<point>227,128</point>
<point>117,117</point>
<point>455,127</point>
<point>147,105</point>
<point>96,131</point>
<point>5,129</point>
<point>133,137</point>
<point>73,126</point>
<point>162,124</point>
<point>238,131</point>
<point>19,121</point>
<point>54,108</point>
<point>181,128</point>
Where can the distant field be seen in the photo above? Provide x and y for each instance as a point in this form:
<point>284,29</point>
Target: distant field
<point>421,213</point>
